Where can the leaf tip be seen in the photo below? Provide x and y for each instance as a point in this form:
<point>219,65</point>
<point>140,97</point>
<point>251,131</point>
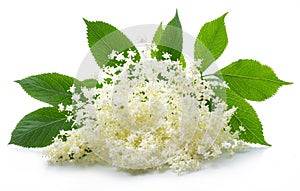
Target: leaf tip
<point>11,141</point>
<point>17,81</point>
<point>287,83</point>
<point>266,144</point>
<point>176,17</point>
<point>86,21</point>
<point>223,16</point>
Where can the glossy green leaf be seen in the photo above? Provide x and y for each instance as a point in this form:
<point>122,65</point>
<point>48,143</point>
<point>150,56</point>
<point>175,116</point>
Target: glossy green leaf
<point>37,129</point>
<point>251,80</point>
<point>51,88</point>
<point>170,39</point>
<point>103,38</point>
<point>244,116</point>
<point>211,42</point>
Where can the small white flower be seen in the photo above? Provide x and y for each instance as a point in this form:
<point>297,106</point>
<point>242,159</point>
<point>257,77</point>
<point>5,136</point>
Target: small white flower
<point>120,57</point>
<point>69,118</point>
<point>131,54</point>
<point>201,149</point>
<point>61,107</point>
<point>131,138</point>
<point>112,55</point>
<point>166,56</point>
<point>69,108</point>
<point>72,89</point>
<point>198,63</point>
<point>216,150</point>
<point>88,93</point>
<point>154,47</point>
<point>226,145</point>
<point>242,128</point>
<point>236,134</point>
<point>76,97</point>
<point>206,155</point>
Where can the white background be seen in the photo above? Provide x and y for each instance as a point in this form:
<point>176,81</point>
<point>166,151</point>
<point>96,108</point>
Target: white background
<point>38,37</point>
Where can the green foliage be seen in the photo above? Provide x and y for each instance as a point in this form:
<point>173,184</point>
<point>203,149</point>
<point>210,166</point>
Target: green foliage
<point>157,40</point>
<point>169,40</point>
<point>247,79</point>
<point>90,83</point>
<point>51,88</point>
<point>158,34</point>
<point>182,61</point>
<point>251,80</point>
<point>211,42</point>
<point>245,116</point>
<point>38,128</point>
<point>103,38</point>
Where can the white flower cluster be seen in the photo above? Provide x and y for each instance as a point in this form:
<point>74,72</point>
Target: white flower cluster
<point>147,114</point>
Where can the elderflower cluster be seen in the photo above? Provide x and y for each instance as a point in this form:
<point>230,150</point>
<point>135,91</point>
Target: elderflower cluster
<point>147,114</point>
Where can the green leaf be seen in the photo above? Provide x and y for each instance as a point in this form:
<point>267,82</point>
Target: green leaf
<point>171,39</point>
<point>51,88</point>
<point>244,116</point>
<point>158,34</point>
<point>103,38</point>
<point>91,83</point>
<point>156,39</point>
<point>211,42</point>
<point>251,80</point>
<point>38,128</point>
<point>182,61</point>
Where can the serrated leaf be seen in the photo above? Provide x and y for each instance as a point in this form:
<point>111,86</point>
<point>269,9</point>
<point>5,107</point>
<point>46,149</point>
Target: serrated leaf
<point>244,116</point>
<point>38,128</point>
<point>251,80</point>
<point>51,88</point>
<point>171,39</point>
<point>211,42</point>
<point>103,38</point>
